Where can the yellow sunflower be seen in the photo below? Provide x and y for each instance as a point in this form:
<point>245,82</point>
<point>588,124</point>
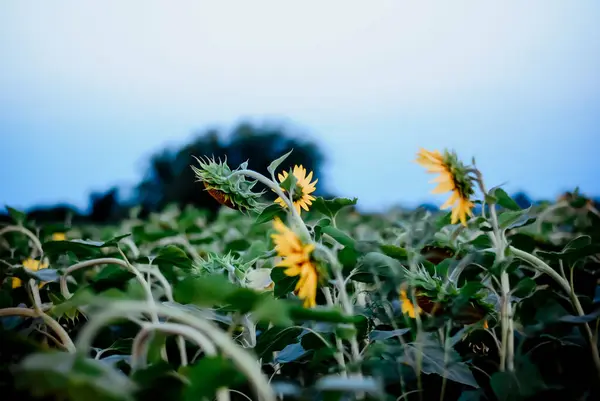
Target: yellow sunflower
<point>407,305</point>
<point>59,237</point>
<point>297,261</point>
<point>454,178</point>
<point>32,265</point>
<point>301,197</point>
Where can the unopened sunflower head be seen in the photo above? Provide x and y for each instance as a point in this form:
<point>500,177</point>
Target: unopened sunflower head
<point>453,177</point>
<point>234,192</point>
<point>213,263</point>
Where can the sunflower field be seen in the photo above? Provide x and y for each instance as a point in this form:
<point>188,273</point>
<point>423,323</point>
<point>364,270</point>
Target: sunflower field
<point>288,296</point>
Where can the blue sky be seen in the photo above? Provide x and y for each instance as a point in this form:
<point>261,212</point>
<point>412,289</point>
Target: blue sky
<point>89,89</point>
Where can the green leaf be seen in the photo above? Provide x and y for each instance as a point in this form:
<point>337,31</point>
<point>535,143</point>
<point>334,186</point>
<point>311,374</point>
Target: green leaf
<point>18,216</point>
<point>590,317</point>
<point>524,287</point>
<point>519,385</point>
<point>289,183</point>
<point>111,276</point>
<point>380,335</point>
<point>79,247</point>
<point>395,252</point>
<point>578,248</point>
<point>45,275</point>
<point>275,339</point>
<point>272,310</point>
<point>339,236</point>
<point>208,375</point>
<point>324,222</point>
<point>275,163</point>
<point>331,207</point>
<point>174,256</point>
<point>206,290</point>
<point>158,382</point>
<point>63,375</point>
<point>269,213</point>
<point>436,360</point>
<point>515,219</point>
<point>503,199</point>
<point>283,284</point>
<point>379,264</point>
<point>323,315</point>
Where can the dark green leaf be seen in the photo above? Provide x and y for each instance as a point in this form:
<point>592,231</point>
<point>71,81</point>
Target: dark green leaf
<point>79,247</point>
<point>283,284</point>
<point>17,215</point>
<point>269,213</point>
<point>208,375</point>
<point>524,287</point>
<point>275,339</point>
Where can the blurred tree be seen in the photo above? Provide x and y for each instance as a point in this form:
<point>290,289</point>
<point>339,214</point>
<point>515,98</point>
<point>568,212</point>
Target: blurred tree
<point>104,206</point>
<point>171,180</point>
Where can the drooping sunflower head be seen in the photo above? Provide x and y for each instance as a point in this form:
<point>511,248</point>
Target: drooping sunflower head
<point>453,177</point>
<point>297,259</point>
<point>301,193</point>
<point>234,192</point>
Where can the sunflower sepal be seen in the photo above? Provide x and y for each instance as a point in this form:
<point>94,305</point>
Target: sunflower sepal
<point>231,190</point>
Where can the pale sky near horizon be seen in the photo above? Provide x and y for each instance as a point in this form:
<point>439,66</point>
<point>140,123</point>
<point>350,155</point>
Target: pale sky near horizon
<point>88,90</point>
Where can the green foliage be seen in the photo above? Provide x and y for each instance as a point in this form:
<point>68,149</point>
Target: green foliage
<point>219,285</point>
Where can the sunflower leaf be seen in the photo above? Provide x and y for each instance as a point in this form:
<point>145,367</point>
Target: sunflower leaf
<point>275,163</point>
<point>268,213</point>
<point>331,207</point>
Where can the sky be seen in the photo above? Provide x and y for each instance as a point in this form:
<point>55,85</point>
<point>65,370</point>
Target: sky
<point>88,90</point>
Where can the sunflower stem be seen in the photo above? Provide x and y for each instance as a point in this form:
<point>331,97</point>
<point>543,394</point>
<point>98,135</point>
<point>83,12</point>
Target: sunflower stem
<point>507,325</point>
<point>35,240</point>
<point>277,189</point>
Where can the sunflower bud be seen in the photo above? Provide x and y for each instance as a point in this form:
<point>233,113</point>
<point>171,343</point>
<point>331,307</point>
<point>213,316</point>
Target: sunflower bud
<point>234,192</point>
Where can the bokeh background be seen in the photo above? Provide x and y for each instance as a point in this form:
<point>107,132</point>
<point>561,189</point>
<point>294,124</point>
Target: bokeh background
<point>102,103</point>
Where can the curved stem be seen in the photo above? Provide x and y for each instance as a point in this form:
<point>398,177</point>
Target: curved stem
<point>277,189</point>
<point>245,362</point>
<point>53,324</point>
<point>26,232</point>
<point>542,267</point>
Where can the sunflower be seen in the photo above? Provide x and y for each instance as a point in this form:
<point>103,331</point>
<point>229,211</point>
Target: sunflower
<point>32,265</point>
<point>301,197</point>
<point>453,178</point>
<point>297,261</point>
<point>407,306</point>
